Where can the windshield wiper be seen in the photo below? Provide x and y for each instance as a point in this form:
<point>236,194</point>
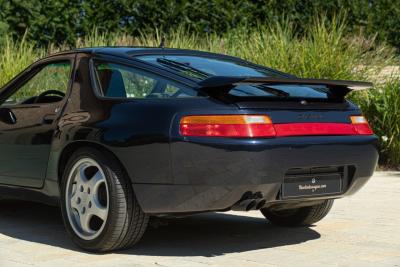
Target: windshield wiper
<point>274,91</point>
<point>183,67</point>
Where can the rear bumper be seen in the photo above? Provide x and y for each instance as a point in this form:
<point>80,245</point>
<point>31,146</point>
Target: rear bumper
<point>210,175</point>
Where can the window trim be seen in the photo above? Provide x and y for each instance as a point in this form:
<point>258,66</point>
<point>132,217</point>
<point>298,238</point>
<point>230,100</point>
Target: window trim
<point>29,73</point>
<point>99,95</point>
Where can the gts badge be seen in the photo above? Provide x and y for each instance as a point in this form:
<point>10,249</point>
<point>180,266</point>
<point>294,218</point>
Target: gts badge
<point>309,116</point>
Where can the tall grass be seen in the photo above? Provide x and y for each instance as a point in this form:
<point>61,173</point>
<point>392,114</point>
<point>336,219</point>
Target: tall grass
<point>324,51</point>
<point>382,108</point>
<point>15,56</point>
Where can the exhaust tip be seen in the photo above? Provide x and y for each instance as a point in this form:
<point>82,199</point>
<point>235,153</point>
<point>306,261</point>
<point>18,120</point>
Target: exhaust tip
<point>260,204</point>
<point>246,195</point>
<point>251,205</point>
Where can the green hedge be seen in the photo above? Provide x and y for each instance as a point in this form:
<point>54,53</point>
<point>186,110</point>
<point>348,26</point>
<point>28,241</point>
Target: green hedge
<point>63,21</point>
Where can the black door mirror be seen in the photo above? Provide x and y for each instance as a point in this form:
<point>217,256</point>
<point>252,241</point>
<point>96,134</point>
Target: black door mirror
<point>7,116</point>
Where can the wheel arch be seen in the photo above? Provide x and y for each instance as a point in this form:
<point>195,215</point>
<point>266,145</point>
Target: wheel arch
<point>69,149</point>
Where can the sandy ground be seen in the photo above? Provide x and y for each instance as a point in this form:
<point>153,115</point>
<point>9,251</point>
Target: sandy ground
<point>363,230</point>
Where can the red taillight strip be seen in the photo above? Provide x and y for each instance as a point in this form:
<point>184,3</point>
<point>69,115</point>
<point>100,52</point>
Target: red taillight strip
<point>314,128</point>
<point>261,126</point>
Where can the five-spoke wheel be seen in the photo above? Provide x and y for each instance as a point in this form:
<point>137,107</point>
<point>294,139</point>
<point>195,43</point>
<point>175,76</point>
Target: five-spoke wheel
<point>87,198</point>
<point>100,210</point>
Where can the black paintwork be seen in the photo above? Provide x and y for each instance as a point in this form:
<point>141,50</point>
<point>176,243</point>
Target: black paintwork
<point>169,173</point>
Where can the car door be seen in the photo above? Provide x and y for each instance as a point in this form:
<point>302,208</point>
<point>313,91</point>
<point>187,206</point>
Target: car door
<point>27,121</point>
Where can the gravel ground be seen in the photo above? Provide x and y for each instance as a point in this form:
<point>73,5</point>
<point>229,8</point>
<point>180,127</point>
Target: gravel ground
<point>363,230</point>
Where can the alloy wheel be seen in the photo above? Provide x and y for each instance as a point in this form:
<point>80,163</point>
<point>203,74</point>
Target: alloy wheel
<point>87,199</point>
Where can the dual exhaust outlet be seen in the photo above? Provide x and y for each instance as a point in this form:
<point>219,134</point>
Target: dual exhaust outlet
<point>250,201</point>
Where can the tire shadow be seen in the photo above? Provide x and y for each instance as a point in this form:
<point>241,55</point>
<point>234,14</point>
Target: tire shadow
<point>207,235</point>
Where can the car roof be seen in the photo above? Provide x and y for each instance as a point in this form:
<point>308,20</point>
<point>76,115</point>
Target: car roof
<point>133,51</point>
<point>129,52</point>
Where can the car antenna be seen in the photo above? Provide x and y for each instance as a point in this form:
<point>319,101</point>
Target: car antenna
<point>162,44</point>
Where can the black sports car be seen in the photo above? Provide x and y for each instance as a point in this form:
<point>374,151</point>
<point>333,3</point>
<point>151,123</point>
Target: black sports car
<point>116,135</point>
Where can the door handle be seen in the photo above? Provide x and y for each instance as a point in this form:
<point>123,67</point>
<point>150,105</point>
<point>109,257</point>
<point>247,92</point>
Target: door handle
<point>49,118</point>
<point>7,116</point>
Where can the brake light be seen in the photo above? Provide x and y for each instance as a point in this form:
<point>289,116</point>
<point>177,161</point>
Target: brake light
<point>262,126</point>
<point>227,126</point>
<point>361,125</point>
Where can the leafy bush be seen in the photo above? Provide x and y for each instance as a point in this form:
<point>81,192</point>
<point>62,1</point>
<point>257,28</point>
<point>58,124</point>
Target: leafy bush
<point>382,108</point>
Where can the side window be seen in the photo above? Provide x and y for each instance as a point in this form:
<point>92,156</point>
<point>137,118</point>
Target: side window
<point>48,85</point>
<point>120,81</point>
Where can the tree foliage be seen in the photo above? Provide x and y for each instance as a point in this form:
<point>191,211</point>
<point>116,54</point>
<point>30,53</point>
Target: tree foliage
<point>64,21</point>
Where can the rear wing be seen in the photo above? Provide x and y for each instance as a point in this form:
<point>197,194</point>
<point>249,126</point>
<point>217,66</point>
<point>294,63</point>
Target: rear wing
<point>339,88</point>
<point>223,81</point>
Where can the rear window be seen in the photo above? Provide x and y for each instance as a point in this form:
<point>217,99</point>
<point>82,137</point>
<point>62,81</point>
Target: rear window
<point>282,91</point>
<point>203,67</point>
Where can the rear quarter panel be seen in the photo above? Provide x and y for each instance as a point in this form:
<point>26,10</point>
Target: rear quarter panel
<point>137,132</point>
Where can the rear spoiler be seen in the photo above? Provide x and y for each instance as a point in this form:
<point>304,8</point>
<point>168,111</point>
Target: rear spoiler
<point>216,82</point>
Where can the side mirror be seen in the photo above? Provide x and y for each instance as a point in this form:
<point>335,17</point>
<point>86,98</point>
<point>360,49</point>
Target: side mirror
<point>7,116</point>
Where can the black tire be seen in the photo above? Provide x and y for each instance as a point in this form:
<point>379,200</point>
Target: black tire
<point>126,222</point>
<point>303,216</point>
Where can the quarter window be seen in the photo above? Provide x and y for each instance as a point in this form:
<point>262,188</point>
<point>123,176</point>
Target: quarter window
<point>120,81</point>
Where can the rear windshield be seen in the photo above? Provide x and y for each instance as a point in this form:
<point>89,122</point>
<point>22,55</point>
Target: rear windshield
<point>281,91</point>
<point>203,67</point>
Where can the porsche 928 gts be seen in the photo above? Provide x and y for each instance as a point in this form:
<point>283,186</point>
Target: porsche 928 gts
<point>115,135</point>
